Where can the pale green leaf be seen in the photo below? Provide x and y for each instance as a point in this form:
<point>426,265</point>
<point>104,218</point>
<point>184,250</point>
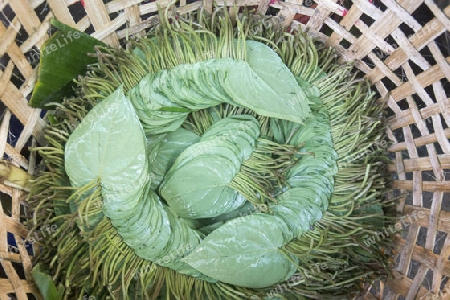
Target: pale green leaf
<point>262,83</point>
<point>100,147</point>
<point>196,186</point>
<point>168,148</point>
<point>245,252</point>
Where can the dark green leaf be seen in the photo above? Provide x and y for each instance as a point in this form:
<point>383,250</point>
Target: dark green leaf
<point>45,284</point>
<point>63,58</point>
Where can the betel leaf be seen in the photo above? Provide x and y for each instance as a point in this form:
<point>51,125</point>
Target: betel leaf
<point>266,63</point>
<point>262,83</point>
<point>63,58</point>
<point>168,149</point>
<point>208,225</point>
<point>46,285</point>
<point>196,186</point>
<point>156,117</point>
<point>299,208</point>
<point>100,147</point>
<point>153,224</point>
<point>245,252</point>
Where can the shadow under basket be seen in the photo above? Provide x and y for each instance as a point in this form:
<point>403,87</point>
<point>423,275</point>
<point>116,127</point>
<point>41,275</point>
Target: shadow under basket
<point>401,46</point>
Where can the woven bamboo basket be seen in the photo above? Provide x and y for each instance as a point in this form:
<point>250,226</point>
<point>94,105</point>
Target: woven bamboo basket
<point>402,47</point>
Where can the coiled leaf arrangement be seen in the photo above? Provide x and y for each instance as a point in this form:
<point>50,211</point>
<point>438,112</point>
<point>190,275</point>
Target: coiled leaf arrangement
<point>214,159</point>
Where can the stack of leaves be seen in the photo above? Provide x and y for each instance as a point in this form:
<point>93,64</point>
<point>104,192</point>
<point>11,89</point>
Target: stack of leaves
<point>214,159</point>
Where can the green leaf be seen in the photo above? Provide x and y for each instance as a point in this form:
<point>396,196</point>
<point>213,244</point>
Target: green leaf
<point>208,83</point>
<point>284,98</point>
<point>208,225</point>
<point>245,252</point>
<point>196,186</point>
<point>156,117</point>
<point>99,148</point>
<point>45,284</point>
<point>263,84</point>
<point>162,156</point>
<point>300,208</point>
<point>175,109</point>
<point>374,215</point>
<point>149,233</point>
<point>63,58</point>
